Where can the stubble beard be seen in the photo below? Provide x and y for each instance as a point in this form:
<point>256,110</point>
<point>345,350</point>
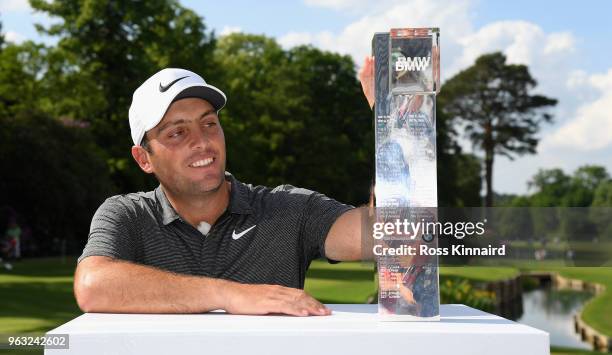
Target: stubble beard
<point>188,188</point>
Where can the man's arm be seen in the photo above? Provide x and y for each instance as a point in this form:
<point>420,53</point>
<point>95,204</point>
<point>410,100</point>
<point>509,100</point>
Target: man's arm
<point>108,285</point>
<point>344,240</point>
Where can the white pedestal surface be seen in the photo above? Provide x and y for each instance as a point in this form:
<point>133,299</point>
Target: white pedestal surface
<point>352,329</point>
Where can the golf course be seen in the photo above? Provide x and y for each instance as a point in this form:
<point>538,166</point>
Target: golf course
<point>36,295</point>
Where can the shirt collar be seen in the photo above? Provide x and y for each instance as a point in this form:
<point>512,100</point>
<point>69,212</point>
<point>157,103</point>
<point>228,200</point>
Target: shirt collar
<point>238,203</point>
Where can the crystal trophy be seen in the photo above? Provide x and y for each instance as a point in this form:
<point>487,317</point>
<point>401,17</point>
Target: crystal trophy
<point>407,78</point>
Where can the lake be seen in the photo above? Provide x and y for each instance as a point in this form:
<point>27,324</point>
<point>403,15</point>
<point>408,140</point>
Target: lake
<point>553,310</point>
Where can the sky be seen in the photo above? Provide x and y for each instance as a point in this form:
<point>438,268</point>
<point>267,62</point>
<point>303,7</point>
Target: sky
<point>566,44</point>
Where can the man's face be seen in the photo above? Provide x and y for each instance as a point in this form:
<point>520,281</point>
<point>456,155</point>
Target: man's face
<point>187,148</point>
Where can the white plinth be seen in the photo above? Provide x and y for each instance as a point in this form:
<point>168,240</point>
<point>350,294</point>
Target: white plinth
<point>351,329</point>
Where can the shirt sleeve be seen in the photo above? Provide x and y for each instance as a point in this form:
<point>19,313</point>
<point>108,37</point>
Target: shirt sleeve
<point>319,215</point>
<point>110,233</point>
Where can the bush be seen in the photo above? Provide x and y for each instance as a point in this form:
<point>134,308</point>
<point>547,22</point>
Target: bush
<point>53,178</point>
<point>462,291</point>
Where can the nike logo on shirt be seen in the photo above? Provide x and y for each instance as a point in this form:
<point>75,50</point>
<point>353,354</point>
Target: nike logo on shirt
<point>238,235</point>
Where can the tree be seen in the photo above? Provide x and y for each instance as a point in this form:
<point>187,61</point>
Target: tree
<point>19,67</point>
<point>335,147</point>
<point>501,117</point>
<point>584,184</point>
<point>295,116</point>
<point>2,40</point>
<point>459,181</point>
<point>601,210</point>
<point>566,197</point>
<point>603,194</point>
<point>550,186</point>
<point>53,176</point>
<point>105,50</point>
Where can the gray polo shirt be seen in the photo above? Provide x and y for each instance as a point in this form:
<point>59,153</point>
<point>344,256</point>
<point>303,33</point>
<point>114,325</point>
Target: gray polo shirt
<point>265,236</point>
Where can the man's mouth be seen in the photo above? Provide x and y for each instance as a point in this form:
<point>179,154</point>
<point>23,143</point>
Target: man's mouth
<point>202,162</point>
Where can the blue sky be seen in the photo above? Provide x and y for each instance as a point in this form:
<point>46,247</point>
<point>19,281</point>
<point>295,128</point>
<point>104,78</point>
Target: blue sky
<point>567,45</point>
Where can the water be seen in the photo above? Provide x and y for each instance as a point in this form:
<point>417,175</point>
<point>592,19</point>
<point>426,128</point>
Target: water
<point>553,311</point>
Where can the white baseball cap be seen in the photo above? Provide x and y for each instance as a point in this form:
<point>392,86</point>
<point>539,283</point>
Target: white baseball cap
<point>152,99</point>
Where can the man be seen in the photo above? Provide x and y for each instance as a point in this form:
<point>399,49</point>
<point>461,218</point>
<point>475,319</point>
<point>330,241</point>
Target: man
<point>203,240</point>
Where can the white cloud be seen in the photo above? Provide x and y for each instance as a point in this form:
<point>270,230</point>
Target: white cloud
<point>355,39</point>
<point>14,5</point>
<point>576,79</point>
<point>581,119</point>
<point>338,4</point>
<point>293,39</point>
<point>591,127</point>
<point>522,42</point>
<point>14,37</point>
<point>559,42</point>
<point>226,30</point>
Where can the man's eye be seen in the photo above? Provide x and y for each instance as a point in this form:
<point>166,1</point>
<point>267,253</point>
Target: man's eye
<point>210,124</point>
<point>175,134</point>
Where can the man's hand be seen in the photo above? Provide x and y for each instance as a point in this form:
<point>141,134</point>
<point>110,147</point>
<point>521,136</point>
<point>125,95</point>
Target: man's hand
<point>266,299</point>
<point>366,76</point>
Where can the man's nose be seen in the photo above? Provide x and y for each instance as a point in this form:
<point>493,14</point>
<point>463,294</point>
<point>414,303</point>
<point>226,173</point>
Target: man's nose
<point>200,140</point>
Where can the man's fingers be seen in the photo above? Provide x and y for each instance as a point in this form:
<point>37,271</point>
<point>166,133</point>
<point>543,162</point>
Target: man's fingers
<point>277,299</point>
<point>316,307</point>
<point>313,306</point>
<point>305,304</point>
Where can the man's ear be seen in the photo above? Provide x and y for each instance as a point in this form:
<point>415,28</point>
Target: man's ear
<point>142,158</point>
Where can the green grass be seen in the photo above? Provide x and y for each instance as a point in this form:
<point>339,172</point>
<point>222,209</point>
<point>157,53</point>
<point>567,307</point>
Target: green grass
<point>348,282</point>
<point>480,273</point>
<point>557,350</point>
<point>596,312</point>
<point>37,295</point>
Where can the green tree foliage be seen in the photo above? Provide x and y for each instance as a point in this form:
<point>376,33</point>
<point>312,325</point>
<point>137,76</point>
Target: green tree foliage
<point>583,185</point>
<point>603,194</point>
<point>459,180</point>
<point>552,187</point>
<point>1,36</point>
<point>53,176</point>
<point>105,50</point>
<point>295,116</point>
<point>334,150</point>
<point>561,200</point>
<point>577,223</point>
<point>501,117</point>
<point>19,87</point>
<point>602,209</point>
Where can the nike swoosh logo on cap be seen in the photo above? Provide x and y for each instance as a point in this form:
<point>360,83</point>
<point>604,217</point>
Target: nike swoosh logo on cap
<point>164,88</point>
<point>237,236</point>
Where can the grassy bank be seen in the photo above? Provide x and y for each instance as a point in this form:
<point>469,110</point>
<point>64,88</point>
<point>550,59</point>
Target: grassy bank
<point>596,312</point>
<point>37,295</point>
